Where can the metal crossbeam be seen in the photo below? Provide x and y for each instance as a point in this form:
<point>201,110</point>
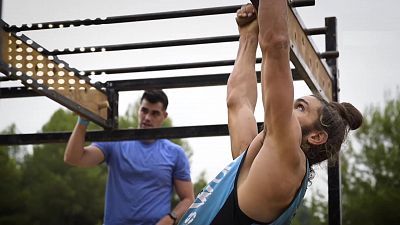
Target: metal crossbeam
<point>142,84</point>
<point>307,62</point>
<point>120,135</point>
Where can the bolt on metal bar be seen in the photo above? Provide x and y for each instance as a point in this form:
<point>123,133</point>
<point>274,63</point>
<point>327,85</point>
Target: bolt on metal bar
<point>329,54</point>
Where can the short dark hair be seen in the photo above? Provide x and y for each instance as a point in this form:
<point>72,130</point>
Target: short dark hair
<point>154,96</point>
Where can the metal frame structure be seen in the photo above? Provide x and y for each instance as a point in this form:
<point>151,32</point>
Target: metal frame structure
<point>44,74</point>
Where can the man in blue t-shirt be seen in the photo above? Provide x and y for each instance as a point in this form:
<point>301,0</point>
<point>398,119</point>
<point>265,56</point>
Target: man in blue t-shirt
<point>141,174</point>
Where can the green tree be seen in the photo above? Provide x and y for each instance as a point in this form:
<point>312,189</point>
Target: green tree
<point>55,192</point>
<point>11,198</point>
<point>39,188</point>
<point>371,169</point>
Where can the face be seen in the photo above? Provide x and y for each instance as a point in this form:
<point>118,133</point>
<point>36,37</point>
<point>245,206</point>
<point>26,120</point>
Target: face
<point>306,110</point>
<point>151,115</point>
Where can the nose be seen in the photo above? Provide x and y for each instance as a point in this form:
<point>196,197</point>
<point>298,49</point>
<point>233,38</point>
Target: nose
<point>147,117</point>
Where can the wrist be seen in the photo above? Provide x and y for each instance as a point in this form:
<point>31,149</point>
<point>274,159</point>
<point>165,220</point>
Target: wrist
<point>173,216</point>
<point>83,121</point>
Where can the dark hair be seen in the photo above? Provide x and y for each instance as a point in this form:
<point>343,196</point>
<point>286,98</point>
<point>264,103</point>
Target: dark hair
<point>336,119</point>
<point>154,96</point>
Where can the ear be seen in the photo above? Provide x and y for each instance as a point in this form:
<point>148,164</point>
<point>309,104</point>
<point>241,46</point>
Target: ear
<point>165,114</point>
<point>317,137</point>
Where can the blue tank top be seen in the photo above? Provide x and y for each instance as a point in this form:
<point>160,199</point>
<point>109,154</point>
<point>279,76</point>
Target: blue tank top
<point>222,191</point>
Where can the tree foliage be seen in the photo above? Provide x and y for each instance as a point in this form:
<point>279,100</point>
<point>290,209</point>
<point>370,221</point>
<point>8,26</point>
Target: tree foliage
<point>371,177</point>
<point>370,172</point>
<point>39,188</point>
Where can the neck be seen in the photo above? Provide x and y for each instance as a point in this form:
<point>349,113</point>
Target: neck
<point>149,141</point>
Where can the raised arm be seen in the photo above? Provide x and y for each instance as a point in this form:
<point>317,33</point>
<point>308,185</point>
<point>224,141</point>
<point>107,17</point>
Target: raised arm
<point>277,82</point>
<point>242,83</point>
<point>78,155</point>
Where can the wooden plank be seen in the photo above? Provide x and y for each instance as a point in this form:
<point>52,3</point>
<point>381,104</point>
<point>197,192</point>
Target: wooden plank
<point>305,58</point>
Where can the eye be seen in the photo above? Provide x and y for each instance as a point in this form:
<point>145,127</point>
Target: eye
<point>156,113</point>
<point>144,110</point>
<point>300,107</point>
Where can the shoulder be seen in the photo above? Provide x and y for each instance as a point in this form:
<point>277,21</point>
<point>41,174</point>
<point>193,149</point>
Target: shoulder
<point>165,143</point>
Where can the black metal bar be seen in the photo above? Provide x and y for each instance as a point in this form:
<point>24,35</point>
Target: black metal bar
<point>329,54</point>
<point>17,92</point>
<point>315,31</point>
<point>170,82</point>
<point>158,44</point>
<point>119,135</point>
<point>179,82</point>
<point>2,48</point>
<point>127,18</point>
<point>301,3</point>
<point>331,46</point>
<point>5,79</point>
<point>292,3</point>
<point>162,67</point>
<point>334,174</point>
<point>159,67</point>
<point>142,84</point>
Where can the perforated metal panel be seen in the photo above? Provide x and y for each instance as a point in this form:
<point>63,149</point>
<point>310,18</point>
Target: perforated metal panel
<point>52,77</point>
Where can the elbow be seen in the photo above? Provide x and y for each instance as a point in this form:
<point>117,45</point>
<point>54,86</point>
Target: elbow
<point>189,200</point>
<point>275,44</point>
<point>68,159</point>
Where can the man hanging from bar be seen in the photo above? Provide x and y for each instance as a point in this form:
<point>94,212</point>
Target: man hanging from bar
<point>269,175</point>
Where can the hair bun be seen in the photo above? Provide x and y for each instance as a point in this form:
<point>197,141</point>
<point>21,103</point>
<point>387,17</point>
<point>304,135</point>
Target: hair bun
<point>353,117</point>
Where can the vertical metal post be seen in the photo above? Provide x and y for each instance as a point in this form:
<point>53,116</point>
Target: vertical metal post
<point>113,99</point>
<point>2,48</point>
<point>334,176</point>
<point>2,64</point>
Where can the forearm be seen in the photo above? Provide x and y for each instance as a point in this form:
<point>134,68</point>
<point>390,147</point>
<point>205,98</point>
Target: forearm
<point>75,147</point>
<point>242,84</point>
<point>273,25</point>
<point>276,79</point>
<point>182,206</point>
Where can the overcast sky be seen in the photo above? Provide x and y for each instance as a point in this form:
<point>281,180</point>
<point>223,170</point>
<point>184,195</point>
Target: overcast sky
<point>367,40</point>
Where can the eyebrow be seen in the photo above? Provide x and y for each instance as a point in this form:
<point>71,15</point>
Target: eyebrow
<point>302,100</point>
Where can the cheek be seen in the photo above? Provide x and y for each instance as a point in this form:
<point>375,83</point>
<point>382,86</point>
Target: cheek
<point>140,116</point>
<point>159,119</point>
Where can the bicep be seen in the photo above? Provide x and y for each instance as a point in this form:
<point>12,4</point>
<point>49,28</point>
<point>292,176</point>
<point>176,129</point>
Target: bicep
<point>278,95</point>
<point>184,189</point>
<point>92,156</point>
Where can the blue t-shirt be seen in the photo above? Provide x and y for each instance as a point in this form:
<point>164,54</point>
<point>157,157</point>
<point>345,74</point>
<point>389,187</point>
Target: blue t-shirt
<point>140,180</point>
<point>214,196</point>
